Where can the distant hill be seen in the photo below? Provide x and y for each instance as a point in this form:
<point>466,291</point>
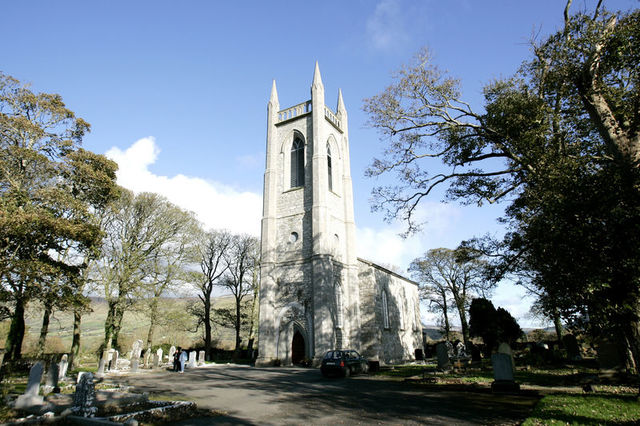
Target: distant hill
<point>177,328</point>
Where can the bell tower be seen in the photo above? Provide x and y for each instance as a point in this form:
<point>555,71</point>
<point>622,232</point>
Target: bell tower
<point>309,300</point>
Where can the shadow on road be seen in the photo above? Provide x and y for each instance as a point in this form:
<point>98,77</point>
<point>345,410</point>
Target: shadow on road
<point>281,395</point>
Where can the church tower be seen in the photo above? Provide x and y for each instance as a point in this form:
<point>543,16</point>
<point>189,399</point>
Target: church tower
<point>309,299</point>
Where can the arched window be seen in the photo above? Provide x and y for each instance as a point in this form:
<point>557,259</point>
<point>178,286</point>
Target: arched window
<point>385,310</point>
<point>329,167</point>
<point>297,163</point>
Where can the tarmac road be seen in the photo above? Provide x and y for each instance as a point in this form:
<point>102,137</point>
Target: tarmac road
<point>276,396</point>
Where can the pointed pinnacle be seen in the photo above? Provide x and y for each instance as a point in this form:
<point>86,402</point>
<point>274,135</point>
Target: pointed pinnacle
<point>274,94</point>
<point>340,106</point>
<point>317,79</point>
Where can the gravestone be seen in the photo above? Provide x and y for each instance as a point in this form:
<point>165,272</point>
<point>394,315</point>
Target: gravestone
<point>101,363</point>
<point>610,355</point>
<point>442,353</point>
<point>460,350</point>
<point>572,346</point>
<point>64,364</point>
<point>504,348</point>
<point>85,395</point>
<point>136,349</point>
<point>134,365</point>
<point>192,359</point>
<point>172,351</point>
<point>30,398</point>
<point>156,361</point>
<point>53,375</point>
<point>450,350</point>
<point>108,362</point>
<point>503,373</point>
<point>201,358</point>
<point>114,360</point>
<point>476,355</point>
<point>147,357</point>
<point>159,353</point>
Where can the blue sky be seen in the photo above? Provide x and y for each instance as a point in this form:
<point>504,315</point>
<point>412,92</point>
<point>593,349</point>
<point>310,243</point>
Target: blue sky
<point>176,92</point>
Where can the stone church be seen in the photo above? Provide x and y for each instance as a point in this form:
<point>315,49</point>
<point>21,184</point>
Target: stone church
<point>315,294</point>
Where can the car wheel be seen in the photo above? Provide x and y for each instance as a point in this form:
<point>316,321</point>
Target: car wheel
<point>347,372</point>
<point>365,368</point>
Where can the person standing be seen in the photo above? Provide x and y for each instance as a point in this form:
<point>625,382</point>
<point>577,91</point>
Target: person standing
<point>183,360</point>
<point>176,359</point>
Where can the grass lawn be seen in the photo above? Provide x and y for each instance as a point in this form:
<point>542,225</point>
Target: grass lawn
<point>585,410</point>
<point>610,404</point>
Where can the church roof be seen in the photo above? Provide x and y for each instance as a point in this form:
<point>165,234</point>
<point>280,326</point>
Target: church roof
<point>388,271</point>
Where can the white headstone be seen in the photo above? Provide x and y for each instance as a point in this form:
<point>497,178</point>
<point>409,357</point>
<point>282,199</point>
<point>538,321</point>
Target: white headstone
<point>192,359</point>
<point>64,364</point>
<point>159,353</point>
<point>201,358</point>
<point>147,357</point>
<point>136,349</point>
<point>114,360</point>
<point>172,351</point>
<point>134,365</point>
<point>30,398</point>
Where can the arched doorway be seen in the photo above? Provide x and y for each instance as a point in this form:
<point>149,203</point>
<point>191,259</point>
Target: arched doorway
<point>297,348</point>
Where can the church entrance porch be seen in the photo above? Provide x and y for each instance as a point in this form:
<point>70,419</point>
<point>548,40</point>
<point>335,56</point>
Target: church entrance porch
<point>297,348</point>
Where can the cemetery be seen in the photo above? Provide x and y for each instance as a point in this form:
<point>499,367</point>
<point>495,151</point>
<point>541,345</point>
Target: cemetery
<point>135,290</point>
<point>560,376</point>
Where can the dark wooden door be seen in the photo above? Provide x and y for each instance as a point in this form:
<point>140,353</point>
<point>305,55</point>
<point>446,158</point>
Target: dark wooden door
<point>297,348</point>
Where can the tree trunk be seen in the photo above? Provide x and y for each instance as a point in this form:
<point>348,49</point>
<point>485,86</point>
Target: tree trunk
<point>447,326</point>
<point>44,329</point>
<point>117,327</point>
<point>207,328</point>
<point>109,326</point>
<point>153,318</point>
<point>13,345</point>
<point>558,326</point>
<point>236,352</point>
<point>75,343</point>
<point>465,328</point>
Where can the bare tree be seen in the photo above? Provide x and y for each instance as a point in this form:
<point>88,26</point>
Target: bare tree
<point>446,274</point>
<point>167,268</point>
<point>137,227</point>
<point>212,253</point>
<point>242,259</point>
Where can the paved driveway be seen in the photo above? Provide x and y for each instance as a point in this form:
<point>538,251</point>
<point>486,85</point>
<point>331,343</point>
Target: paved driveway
<point>276,396</point>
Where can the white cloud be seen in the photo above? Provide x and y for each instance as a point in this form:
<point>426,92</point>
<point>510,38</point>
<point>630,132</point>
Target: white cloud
<point>386,246</point>
<point>216,205</point>
<point>386,27</point>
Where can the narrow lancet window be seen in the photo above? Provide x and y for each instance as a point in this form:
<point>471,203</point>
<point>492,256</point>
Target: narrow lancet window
<point>385,310</point>
<point>329,167</point>
<point>297,163</point>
